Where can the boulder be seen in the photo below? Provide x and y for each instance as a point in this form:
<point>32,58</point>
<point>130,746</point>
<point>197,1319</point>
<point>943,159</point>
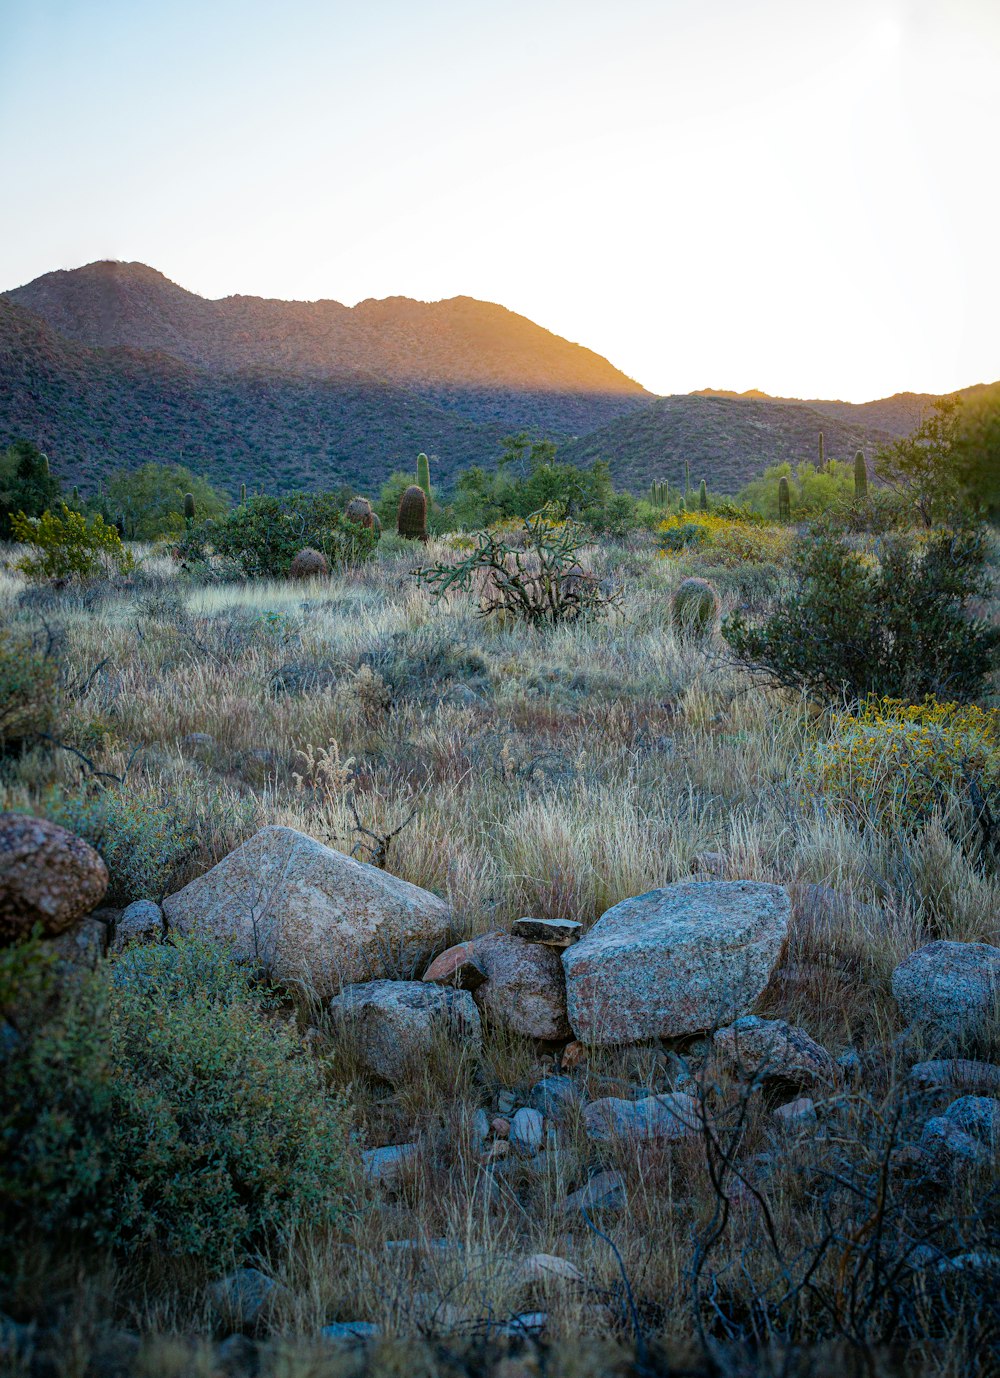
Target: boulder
<point>141,922</point>
<point>395,1024</point>
<point>48,876</point>
<point>675,961</point>
<point>771,1050</point>
<point>310,915</point>
<point>950,989</point>
<point>525,989</point>
<point>978,1116</point>
<point>672,1115</point>
<point>550,932</point>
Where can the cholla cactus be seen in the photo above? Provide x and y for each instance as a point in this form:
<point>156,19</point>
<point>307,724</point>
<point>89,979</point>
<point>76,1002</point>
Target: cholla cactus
<point>411,519</point>
<point>784,500</point>
<point>695,608</point>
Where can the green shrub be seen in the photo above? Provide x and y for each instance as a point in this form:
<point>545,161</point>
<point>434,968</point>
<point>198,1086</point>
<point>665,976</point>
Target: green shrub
<point>265,533</point>
<point>896,626</point>
<point>155,1107</point>
<point>28,682</point>
<point>26,486</point>
<point>66,545</point>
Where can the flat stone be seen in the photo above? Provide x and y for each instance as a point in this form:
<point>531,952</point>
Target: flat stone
<point>311,916</point>
<point>672,1115</point>
<point>550,932</point>
<point>395,1024</point>
<point>457,966</point>
<point>675,961</point>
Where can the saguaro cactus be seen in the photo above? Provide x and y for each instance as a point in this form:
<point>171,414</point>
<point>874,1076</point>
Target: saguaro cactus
<point>424,474</point>
<point>784,500</point>
<point>243,494</point>
<point>188,508</point>
<point>703,497</point>
<point>860,477</point>
<point>411,519</point>
<point>822,461</point>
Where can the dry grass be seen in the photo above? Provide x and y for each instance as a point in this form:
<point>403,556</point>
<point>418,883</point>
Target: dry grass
<point>549,773</point>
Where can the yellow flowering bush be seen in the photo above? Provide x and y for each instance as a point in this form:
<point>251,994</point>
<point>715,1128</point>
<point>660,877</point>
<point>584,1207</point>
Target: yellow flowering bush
<point>65,545</point>
<point>728,542</point>
<point>892,764</point>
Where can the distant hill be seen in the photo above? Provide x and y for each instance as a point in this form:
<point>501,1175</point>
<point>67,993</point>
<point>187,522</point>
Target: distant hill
<point>96,410</point>
<point>727,440</point>
<point>467,356</point>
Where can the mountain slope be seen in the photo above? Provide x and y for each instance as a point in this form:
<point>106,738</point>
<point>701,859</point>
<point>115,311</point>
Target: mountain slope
<point>726,440</point>
<point>95,410</point>
<point>899,414</point>
<point>473,357</point>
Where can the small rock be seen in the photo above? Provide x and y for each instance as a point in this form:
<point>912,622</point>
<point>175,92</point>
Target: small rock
<point>346,1332</point>
<point>141,922</point>
<point>978,1116</point>
<point>506,1101</point>
<point>675,961</point>
<point>769,1050</point>
<point>395,1023</point>
<point>245,1297</point>
<point>604,1191</point>
<point>545,1267</point>
<point>671,1116</point>
<point>48,876</point>
<point>479,1128</point>
<point>797,1114</point>
<point>550,932</point>
<point>456,967</point>
<point>942,1138</point>
<point>388,1166</point>
<point>572,1055</point>
<point>554,1097</point>
<point>500,1126</point>
<point>527,1131</point>
<point>951,989</point>
<point>525,989</point>
<point>82,946</point>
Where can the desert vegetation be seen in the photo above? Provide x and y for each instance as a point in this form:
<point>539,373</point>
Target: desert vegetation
<point>319,1050</point>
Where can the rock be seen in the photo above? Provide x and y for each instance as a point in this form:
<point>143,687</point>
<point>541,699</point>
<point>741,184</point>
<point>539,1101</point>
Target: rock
<point>959,1074</point>
<point>245,1297</point>
<point>550,932</point>
<point>395,1024</point>
<point>479,1128</point>
<point>546,1268</point>
<point>500,1126</point>
<point>672,1115</point>
<point>312,916</point>
<point>83,946</point>
<point>771,1050</point>
<point>456,967</point>
<point>796,1114</point>
<point>978,1116</point>
<point>236,1356</point>
<point>527,1132</point>
<point>554,1097</point>
<point>604,1191</point>
<point>943,1139</point>
<point>388,1166</point>
<point>710,864</point>
<point>346,1332</point>
<point>48,876</point>
<point>197,741</point>
<point>572,1055</point>
<point>675,961</point>
<point>525,989</point>
<point>950,989</point>
<point>141,922</point>
<point>506,1102</point>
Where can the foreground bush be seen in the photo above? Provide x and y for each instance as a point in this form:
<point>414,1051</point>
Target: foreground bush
<point>892,764</point>
<point>65,545</point>
<point>898,626</point>
<point>155,1107</point>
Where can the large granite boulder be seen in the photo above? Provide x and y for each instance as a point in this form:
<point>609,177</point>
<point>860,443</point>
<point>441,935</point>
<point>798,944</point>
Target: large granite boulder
<point>310,915</point>
<point>952,990</point>
<point>395,1024</point>
<point>525,987</point>
<point>675,961</point>
<point>48,876</point>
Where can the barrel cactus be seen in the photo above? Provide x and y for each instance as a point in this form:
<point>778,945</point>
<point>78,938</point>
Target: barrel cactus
<point>360,510</point>
<point>784,500</point>
<point>860,476</point>
<point>695,608</point>
<point>411,520</point>
<point>424,474</point>
<point>309,564</point>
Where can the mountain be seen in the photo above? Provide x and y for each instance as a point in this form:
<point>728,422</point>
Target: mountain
<point>463,355</point>
<point>726,439</point>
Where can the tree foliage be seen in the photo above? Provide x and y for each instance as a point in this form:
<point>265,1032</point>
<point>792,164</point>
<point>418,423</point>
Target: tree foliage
<point>150,500</point>
<point>25,484</point>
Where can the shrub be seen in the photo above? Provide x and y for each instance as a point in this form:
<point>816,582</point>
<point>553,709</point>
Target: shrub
<point>724,539</point>
<point>265,534</point>
<point>26,486</point>
<point>66,545</point>
<point>894,626</point>
<point>155,1108</point>
<point>892,764</point>
<point>28,681</point>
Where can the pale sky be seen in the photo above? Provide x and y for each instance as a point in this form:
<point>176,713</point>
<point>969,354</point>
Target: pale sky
<point>795,195</point>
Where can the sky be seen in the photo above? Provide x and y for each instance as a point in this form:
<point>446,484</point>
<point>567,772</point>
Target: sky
<point>789,195</point>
